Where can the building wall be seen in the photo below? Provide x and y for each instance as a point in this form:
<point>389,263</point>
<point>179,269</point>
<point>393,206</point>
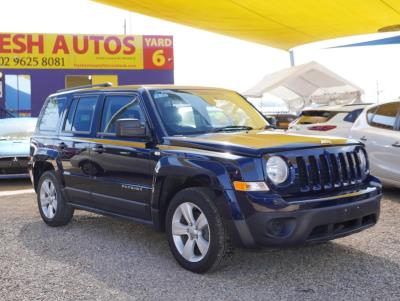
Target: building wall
<point>45,82</point>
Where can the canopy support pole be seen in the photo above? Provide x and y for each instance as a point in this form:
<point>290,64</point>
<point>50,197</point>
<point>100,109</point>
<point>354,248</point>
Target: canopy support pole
<point>291,54</point>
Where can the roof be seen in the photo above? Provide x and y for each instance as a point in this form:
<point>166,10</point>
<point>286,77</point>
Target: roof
<point>102,87</point>
<point>343,108</point>
<point>305,84</point>
<point>282,24</point>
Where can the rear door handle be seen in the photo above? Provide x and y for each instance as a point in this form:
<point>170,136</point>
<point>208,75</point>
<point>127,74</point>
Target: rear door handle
<point>396,144</point>
<point>363,138</point>
<point>98,149</point>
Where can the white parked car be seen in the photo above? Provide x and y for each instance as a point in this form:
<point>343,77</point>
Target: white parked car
<point>327,121</point>
<point>378,127</point>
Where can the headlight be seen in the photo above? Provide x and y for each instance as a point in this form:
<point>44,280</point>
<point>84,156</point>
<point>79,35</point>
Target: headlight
<point>277,170</point>
<point>363,160</point>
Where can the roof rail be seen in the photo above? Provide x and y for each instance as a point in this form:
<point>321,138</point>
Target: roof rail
<point>86,87</point>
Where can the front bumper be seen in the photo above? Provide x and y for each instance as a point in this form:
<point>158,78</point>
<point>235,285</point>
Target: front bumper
<point>318,224</point>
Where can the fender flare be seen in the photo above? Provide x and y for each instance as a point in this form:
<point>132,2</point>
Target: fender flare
<point>49,156</point>
<point>173,174</point>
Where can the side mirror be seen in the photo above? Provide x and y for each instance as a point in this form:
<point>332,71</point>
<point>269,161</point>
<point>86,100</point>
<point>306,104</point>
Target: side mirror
<point>130,128</point>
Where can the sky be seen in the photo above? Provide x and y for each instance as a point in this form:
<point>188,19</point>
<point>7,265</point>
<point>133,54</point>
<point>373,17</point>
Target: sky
<point>209,59</point>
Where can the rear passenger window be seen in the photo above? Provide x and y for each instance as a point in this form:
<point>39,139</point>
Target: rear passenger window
<point>352,116</point>
<point>118,107</point>
<point>52,114</point>
<point>80,114</point>
<point>385,116</point>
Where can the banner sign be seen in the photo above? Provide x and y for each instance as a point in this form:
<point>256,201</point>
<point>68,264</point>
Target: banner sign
<point>61,51</point>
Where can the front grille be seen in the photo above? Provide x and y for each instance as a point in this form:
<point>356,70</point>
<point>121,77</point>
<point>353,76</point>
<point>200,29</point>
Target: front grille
<point>327,170</point>
<point>13,163</point>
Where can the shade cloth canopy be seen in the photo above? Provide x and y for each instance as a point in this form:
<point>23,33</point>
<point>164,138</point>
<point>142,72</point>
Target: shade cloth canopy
<point>307,84</point>
<point>282,24</point>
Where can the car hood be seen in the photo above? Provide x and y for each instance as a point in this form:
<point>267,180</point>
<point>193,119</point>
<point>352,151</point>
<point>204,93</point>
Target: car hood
<point>12,148</point>
<point>254,143</point>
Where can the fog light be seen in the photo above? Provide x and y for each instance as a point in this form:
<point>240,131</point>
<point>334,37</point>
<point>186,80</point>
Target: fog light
<point>281,227</point>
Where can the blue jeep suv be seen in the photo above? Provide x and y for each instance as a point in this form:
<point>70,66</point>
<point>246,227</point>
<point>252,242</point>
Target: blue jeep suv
<point>201,164</point>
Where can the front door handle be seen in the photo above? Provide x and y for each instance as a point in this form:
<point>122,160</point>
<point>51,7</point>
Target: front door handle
<point>396,144</point>
<point>363,138</point>
<point>98,149</point>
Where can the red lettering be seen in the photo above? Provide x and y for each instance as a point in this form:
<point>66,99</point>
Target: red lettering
<point>31,43</point>
<point>85,47</point>
<point>4,42</point>
<point>60,44</point>
<point>112,40</point>
<point>19,42</point>
<point>129,47</point>
<point>96,40</point>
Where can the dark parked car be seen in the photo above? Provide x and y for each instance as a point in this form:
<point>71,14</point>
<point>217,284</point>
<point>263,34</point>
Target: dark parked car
<point>15,134</point>
<point>199,164</point>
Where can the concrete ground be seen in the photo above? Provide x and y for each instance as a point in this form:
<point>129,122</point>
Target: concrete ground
<point>100,258</point>
<point>7,185</point>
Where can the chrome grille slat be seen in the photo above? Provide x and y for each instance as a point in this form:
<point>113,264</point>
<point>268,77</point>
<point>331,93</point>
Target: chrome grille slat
<point>303,174</point>
<point>335,170</point>
<point>358,168</point>
<point>352,167</point>
<point>326,171</point>
<point>315,173</point>
<point>345,169</point>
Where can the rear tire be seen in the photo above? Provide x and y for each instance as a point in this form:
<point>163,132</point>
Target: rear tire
<point>196,234</point>
<point>52,205</point>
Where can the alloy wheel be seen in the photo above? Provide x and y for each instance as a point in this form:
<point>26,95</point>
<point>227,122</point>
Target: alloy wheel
<point>191,232</point>
<point>48,198</point>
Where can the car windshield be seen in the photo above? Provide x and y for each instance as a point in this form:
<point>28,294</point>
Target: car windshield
<point>187,112</point>
<point>17,128</point>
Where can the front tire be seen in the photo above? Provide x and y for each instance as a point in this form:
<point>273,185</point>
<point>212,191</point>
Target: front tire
<point>53,207</point>
<point>196,234</point>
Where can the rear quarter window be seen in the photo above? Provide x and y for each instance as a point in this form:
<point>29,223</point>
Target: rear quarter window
<point>51,114</point>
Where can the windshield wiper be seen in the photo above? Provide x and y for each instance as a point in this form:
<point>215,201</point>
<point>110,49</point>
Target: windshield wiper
<point>233,128</point>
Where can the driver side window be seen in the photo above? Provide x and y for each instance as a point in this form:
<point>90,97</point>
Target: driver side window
<point>119,107</point>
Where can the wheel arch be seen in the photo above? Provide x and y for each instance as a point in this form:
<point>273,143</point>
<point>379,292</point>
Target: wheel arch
<point>175,174</point>
<point>44,162</point>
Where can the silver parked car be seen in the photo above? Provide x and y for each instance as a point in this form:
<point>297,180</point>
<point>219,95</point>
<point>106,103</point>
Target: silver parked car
<point>15,136</point>
<point>378,127</point>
